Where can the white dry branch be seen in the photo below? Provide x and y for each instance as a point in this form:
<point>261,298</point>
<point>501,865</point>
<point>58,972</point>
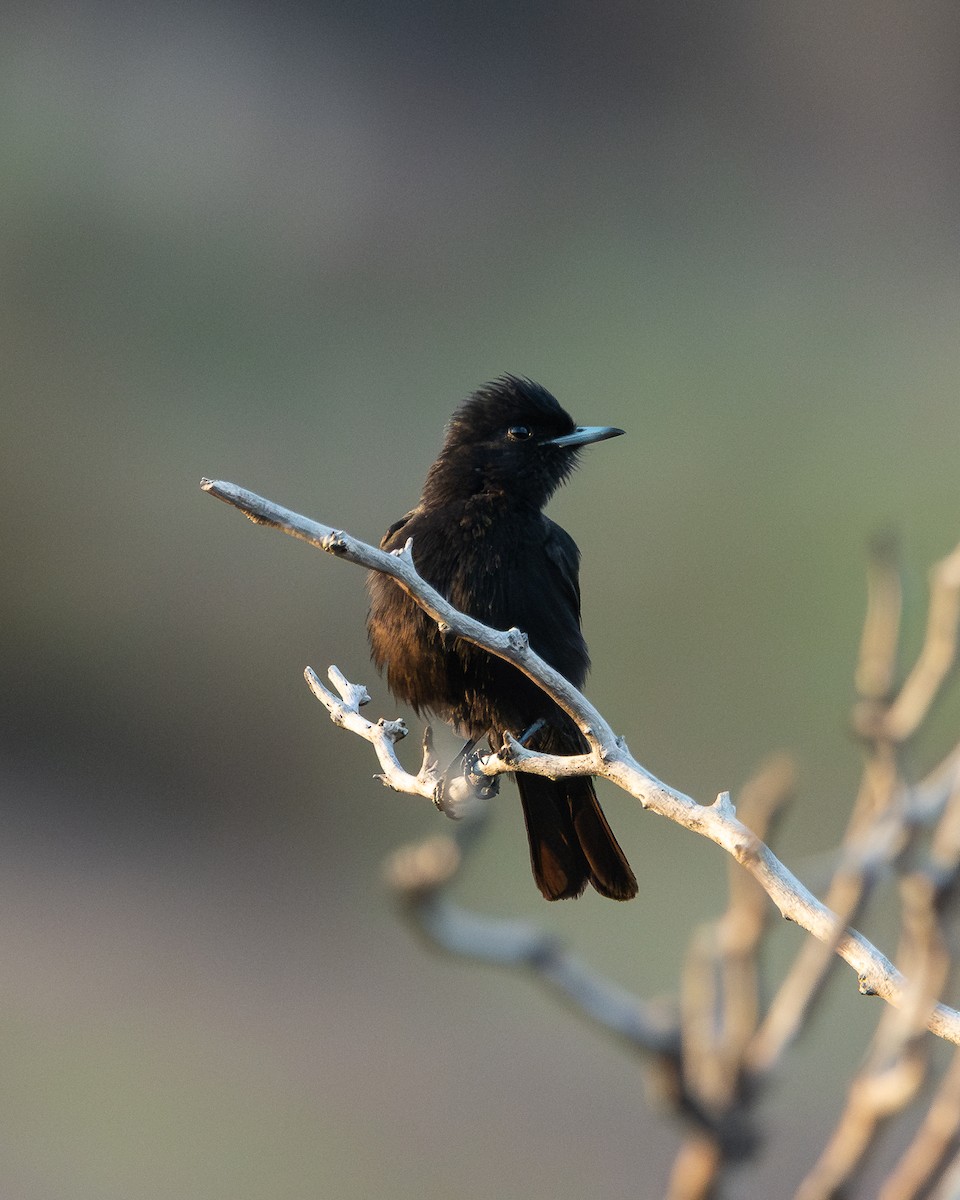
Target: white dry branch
<point>382,735</point>
<point>419,874</point>
<point>608,756</point>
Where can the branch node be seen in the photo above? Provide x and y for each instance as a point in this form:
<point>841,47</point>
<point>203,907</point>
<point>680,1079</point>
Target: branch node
<point>509,753</point>
<point>396,731</point>
<point>724,807</point>
<point>405,552</point>
<point>353,695</point>
<point>518,642</point>
<point>335,542</point>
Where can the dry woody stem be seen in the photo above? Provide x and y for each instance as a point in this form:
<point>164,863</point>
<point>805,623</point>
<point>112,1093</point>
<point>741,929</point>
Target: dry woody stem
<point>712,1055</point>
<point>609,756</point>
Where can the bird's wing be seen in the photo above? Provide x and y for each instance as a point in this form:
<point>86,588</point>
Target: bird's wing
<point>390,541</point>
<point>564,555</point>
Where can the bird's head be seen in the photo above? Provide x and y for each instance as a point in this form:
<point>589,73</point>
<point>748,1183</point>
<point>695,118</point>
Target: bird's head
<point>511,436</point>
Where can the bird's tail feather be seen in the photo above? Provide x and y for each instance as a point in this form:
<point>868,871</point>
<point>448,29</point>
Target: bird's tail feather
<point>610,873</point>
<point>571,843</point>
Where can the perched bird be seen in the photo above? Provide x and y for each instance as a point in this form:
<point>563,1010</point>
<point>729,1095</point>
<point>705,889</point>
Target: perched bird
<point>481,539</point>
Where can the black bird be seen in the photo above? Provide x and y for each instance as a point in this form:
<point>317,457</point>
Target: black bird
<point>481,539</point>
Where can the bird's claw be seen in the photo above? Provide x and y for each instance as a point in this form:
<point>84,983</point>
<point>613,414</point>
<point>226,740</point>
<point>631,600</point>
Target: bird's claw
<point>485,787</point>
<point>464,785</point>
<point>530,732</point>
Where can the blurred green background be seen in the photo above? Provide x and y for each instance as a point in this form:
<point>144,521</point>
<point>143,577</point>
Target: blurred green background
<point>277,245</point>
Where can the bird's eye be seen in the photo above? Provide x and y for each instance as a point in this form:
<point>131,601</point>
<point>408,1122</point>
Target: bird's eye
<point>519,433</point>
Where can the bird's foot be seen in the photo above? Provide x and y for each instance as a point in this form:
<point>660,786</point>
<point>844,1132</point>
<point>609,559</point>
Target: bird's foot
<point>485,787</point>
<point>530,732</point>
<point>464,784</point>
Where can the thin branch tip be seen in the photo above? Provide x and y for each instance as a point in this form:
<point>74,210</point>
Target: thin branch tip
<point>217,488</point>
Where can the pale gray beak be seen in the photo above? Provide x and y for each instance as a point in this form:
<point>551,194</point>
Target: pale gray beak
<point>583,435</point>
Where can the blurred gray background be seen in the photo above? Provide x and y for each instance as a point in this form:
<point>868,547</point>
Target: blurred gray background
<point>277,245</point>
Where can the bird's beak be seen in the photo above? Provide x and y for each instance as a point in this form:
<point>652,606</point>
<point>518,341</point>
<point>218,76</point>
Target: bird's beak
<point>583,435</point>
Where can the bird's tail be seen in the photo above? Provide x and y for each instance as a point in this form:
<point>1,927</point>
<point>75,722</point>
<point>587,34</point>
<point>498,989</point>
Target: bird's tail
<point>571,843</point>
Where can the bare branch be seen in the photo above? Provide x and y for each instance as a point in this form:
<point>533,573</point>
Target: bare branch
<point>945,845</point>
<point>695,1170</point>
<point>718,822</point>
<point>938,655</point>
<point>740,929</point>
<point>382,735</point>
<point>939,1134</point>
<point>511,644</point>
<point>611,758</point>
<point>719,1007</point>
<point>877,662</point>
<point>937,1137</point>
<point>887,813</point>
<point>896,1063</point>
<point>421,874</point>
